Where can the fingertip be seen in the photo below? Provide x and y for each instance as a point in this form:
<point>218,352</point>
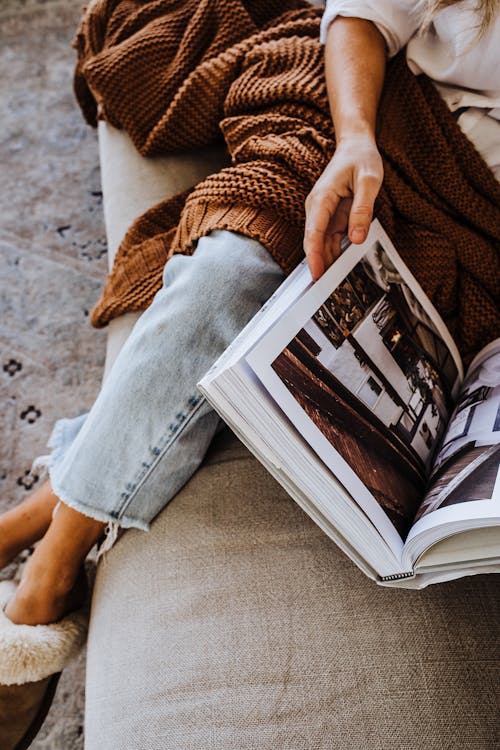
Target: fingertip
<point>358,235</point>
<point>316,266</point>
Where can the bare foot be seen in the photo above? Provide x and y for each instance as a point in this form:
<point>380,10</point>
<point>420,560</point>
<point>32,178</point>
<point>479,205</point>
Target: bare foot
<point>25,524</point>
<point>53,582</point>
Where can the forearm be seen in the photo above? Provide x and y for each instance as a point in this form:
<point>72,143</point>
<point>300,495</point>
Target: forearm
<point>355,55</point>
<point>343,198</point>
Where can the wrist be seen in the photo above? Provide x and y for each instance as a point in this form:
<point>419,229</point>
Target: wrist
<point>359,133</point>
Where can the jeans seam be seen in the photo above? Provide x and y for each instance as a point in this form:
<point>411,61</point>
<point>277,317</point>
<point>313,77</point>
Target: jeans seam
<point>175,429</point>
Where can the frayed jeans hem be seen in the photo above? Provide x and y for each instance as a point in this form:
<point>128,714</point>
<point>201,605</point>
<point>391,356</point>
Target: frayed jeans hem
<point>97,515</point>
<point>62,435</point>
<point>47,464</point>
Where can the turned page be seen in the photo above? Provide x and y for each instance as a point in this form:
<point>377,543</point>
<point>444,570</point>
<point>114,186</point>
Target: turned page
<point>465,482</point>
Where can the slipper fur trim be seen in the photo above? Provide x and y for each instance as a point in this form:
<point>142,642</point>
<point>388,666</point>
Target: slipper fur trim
<point>29,653</point>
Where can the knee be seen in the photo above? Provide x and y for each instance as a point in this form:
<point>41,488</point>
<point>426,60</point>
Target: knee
<point>225,266</point>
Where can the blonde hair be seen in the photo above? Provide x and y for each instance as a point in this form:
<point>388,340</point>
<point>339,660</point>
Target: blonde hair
<point>486,10</point>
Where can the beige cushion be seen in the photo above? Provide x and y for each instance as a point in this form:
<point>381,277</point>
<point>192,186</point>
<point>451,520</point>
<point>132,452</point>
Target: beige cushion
<point>132,184</point>
<point>235,624</point>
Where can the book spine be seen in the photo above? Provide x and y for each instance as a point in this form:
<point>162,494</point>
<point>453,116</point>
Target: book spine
<point>397,576</point>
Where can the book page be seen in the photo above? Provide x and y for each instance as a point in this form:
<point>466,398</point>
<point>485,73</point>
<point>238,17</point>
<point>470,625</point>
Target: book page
<point>365,369</point>
<point>467,467</point>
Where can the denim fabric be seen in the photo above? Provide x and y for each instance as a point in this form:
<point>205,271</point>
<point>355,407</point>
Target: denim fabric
<point>150,427</point>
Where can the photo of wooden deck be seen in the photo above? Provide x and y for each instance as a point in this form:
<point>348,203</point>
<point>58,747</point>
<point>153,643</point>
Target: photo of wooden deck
<point>380,459</point>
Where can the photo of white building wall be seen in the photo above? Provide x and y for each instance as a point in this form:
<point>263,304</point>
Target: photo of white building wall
<point>374,337</point>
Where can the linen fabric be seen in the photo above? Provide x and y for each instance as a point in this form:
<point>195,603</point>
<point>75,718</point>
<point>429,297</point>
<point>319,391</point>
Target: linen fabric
<point>236,623</point>
<point>178,76</point>
<point>484,132</point>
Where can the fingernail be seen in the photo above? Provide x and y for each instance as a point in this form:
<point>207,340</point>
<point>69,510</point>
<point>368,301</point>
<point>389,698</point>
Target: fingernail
<point>358,234</point>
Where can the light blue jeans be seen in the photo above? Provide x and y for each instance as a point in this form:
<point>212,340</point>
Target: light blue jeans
<point>149,428</point>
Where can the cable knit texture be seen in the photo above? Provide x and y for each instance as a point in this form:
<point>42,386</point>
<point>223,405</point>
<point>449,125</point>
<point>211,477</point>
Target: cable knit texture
<point>180,74</point>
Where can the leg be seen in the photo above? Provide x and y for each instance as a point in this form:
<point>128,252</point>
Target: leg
<point>149,428</point>
<point>27,523</point>
<point>53,582</point>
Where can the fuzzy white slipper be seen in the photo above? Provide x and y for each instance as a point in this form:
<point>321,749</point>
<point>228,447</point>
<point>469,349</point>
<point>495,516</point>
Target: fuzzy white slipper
<point>29,653</point>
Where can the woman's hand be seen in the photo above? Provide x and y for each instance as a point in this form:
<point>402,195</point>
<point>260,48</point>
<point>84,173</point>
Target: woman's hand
<point>342,199</point>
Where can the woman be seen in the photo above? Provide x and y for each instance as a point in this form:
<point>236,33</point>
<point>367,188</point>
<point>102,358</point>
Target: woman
<point>451,42</point>
<point>84,498</point>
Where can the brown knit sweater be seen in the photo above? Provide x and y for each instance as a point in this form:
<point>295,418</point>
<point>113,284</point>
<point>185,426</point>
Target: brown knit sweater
<point>180,74</point>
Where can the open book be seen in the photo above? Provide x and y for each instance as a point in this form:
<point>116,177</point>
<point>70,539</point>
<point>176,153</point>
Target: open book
<point>351,392</point>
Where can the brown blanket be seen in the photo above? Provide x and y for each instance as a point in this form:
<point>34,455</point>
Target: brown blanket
<point>180,74</point>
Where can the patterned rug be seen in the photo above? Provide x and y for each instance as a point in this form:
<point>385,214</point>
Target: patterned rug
<point>52,263</point>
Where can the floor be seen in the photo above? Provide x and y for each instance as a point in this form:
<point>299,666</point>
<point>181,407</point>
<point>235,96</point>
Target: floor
<point>52,263</point>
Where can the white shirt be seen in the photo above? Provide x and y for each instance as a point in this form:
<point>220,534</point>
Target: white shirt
<point>464,68</point>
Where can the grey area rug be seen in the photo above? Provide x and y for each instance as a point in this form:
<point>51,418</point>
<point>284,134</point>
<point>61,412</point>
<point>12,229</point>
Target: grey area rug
<point>52,263</point>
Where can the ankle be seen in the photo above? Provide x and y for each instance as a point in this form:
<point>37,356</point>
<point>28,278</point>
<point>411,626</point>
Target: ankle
<point>22,526</point>
<point>73,534</point>
<point>10,545</point>
<point>63,549</point>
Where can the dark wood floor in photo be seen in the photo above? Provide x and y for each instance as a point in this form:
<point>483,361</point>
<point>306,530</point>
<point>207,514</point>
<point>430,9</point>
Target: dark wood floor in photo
<point>384,467</point>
